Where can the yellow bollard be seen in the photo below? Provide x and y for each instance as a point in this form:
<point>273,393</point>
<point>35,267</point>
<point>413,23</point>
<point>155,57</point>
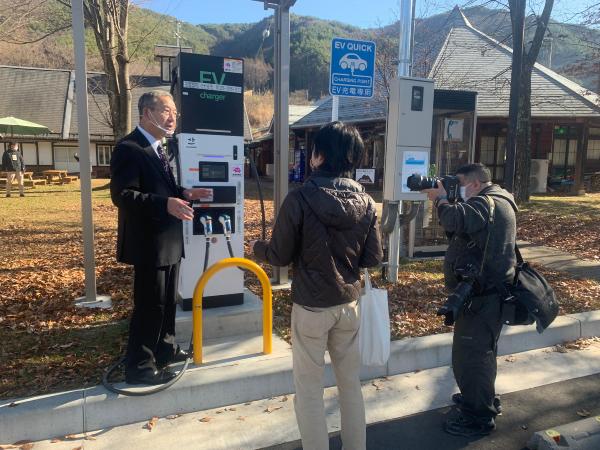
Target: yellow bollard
<point>267,302</point>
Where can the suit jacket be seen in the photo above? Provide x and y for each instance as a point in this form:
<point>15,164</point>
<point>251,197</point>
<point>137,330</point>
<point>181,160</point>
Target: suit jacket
<point>140,188</point>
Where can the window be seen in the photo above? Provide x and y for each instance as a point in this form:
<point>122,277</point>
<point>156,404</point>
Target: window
<point>493,154</point>
<point>593,150</point>
<point>560,150</point>
<point>104,154</point>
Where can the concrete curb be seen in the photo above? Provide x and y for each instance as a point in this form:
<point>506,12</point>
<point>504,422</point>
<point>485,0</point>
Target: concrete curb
<point>246,380</point>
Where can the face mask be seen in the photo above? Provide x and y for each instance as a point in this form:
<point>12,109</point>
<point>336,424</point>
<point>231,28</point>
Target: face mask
<point>463,193</point>
<point>166,131</point>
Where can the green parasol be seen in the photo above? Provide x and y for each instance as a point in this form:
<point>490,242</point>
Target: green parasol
<point>10,126</point>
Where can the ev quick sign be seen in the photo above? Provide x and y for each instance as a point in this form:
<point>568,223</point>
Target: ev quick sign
<point>352,69</point>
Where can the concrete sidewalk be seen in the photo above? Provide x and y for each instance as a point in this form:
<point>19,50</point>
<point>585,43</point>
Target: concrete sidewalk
<point>227,381</point>
<point>560,261</point>
<point>271,421</point>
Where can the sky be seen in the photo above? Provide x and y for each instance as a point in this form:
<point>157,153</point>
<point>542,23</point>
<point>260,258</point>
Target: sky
<point>361,13</point>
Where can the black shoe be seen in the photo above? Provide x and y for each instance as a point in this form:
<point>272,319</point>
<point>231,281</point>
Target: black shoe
<point>458,400</point>
<point>179,355</point>
<point>469,427</point>
<point>148,376</point>
<point>21,195</point>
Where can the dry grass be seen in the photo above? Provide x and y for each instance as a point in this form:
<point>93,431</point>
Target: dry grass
<point>260,107</point>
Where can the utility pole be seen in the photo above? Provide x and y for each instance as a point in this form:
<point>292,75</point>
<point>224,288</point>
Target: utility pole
<point>517,10</point>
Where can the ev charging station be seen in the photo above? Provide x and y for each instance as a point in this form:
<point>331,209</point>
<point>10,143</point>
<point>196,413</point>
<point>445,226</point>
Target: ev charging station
<point>209,96</point>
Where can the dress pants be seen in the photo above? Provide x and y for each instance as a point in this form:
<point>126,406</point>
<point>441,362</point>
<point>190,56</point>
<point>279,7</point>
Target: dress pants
<point>335,329</point>
<point>152,326</point>
<point>474,351</point>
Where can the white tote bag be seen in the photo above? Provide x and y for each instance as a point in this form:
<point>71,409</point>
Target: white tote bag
<point>374,332</point>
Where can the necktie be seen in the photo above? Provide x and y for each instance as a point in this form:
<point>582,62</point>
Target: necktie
<point>163,159</point>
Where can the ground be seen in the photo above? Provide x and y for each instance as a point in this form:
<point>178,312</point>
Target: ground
<point>50,345</point>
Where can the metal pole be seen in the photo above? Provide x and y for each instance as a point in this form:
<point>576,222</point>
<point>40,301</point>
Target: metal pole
<point>404,65</point>
<point>335,108</point>
<point>281,121</point>
<point>90,298</point>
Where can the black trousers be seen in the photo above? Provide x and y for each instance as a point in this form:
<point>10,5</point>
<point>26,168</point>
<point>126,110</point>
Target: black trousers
<point>474,351</point>
<point>152,326</point>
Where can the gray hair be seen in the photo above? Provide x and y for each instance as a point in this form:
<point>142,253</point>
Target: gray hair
<point>150,99</point>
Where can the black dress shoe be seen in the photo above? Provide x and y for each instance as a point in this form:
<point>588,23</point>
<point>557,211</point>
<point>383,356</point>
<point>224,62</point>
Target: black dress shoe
<point>179,355</point>
<point>149,376</point>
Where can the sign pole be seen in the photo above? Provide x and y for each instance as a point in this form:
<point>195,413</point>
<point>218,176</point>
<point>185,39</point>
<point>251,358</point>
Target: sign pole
<point>335,107</point>
<point>90,299</point>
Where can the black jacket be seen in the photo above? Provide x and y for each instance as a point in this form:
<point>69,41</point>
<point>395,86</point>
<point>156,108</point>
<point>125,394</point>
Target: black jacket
<point>140,188</point>
<point>328,229</point>
<point>12,161</point>
<point>468,221</point>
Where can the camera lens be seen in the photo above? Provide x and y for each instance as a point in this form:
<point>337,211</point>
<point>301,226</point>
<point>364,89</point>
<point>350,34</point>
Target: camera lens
<point>419,182</point>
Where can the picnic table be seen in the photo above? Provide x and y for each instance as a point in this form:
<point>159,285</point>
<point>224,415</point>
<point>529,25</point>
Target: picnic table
<point>28,179</point>
<point>57,176</point>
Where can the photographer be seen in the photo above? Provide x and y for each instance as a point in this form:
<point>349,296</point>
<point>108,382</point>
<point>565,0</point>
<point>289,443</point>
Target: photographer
<point>480,256</point>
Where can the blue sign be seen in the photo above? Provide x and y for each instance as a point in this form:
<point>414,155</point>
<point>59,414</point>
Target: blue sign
<point>351,73</point>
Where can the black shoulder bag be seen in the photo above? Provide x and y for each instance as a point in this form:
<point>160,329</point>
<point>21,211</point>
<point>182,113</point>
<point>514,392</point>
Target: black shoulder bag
<point>529,298</point>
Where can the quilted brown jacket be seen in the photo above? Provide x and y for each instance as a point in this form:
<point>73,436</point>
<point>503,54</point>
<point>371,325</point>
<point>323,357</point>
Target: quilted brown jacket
<point>328,230</point>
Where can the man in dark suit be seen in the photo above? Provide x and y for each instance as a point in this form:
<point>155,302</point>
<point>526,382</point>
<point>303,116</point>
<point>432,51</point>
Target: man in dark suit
<point>150,237</point>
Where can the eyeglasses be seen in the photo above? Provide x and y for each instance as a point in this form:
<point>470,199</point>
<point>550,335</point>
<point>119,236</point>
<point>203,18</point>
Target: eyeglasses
<point>166,112</point>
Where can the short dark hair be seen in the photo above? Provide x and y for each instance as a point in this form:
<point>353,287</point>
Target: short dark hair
<point>341,147</point>
<point>476,172</point>
<point>150,99</point>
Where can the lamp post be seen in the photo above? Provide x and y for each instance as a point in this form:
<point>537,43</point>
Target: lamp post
<point>281,117</point>
<point>90,299</point>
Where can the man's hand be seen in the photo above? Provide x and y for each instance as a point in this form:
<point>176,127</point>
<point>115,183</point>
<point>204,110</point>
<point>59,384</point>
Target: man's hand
<point>433,194</point>
<point>179,208</point>
<point>198,194</point>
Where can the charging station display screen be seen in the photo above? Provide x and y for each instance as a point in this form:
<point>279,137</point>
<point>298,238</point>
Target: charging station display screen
<point>213,171</point>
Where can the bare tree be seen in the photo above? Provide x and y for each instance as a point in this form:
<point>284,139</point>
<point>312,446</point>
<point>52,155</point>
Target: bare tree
<point>108,19</point>
<point>519,131</point>
<point>257,73</point>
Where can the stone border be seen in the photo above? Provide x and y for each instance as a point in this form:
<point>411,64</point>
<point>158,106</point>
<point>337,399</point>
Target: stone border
<point>202,388</point>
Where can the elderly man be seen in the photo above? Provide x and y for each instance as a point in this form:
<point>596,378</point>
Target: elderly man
<point>13,164</point>
<point>150,237</point>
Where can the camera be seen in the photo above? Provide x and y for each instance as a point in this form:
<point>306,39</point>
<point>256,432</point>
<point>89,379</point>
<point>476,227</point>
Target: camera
<point>469,275</point>
<point>451,183</point>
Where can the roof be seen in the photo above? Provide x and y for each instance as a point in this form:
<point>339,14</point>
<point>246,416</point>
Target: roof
<point>36,95</point>
<point>296,113</point>
<point>169,51</point>
<point>470,59</point>
<point>48,97</point>
<point>357,110</point>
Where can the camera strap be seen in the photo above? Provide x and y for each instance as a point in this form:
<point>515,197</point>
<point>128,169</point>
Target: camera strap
<point>492,207</point>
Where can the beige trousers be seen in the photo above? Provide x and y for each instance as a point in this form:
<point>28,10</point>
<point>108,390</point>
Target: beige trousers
<point>335,329</point>
<point>10,176</point>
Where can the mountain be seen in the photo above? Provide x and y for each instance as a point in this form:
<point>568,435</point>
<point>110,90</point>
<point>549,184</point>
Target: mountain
<point>310,43</point>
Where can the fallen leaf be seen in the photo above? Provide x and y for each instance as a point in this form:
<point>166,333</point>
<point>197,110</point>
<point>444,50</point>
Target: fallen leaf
<point>232,409</point>
<point>248,403</point>
<point>173,416</point>
<point>90,438</point>
<point>510,358</point>
<point>417,387</point>
<point>524,427</point>
<point>241,418</point>
<point>13,404</point>
<point>152,423</point>
<point>71,436</point>
<point>270,409</point>
<point>78,448</point>
<point>220,411</point>
<point>377,386</point>
<point>26,446</point>
<point>206,419</point>
<point>284,398</point>
<point>55,440</point>
<point>583,413</point>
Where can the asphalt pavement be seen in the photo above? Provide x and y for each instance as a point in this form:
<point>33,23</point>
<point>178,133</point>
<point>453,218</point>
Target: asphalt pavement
<point>525,412</point>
